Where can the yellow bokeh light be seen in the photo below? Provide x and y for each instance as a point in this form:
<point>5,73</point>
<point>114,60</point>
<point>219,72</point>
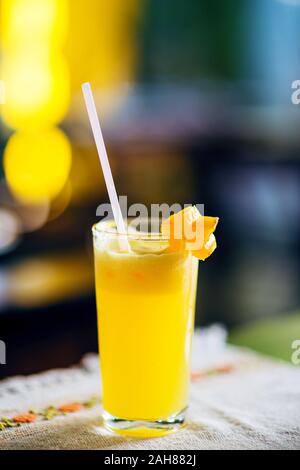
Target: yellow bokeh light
<point>37,89</point>
<point>37,164</point>
<point>105,42</point>
<point>30,21</point>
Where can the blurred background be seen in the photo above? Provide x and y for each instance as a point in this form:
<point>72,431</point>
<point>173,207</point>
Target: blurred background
<point>195,102</point>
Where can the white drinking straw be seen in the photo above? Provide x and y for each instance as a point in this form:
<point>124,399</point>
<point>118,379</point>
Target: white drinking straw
<point>95,124</point>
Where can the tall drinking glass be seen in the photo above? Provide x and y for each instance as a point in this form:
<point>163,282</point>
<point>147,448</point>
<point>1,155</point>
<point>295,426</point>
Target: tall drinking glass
<point>145,304</point>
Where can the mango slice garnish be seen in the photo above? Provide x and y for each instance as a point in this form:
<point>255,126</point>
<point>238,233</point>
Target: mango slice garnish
<point>190,231</point>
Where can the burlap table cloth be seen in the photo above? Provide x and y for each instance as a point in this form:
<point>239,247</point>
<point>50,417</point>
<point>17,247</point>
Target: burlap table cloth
<point>254,406</point>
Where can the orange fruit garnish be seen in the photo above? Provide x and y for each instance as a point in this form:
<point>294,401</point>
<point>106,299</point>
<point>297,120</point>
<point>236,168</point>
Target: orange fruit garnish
<point>191,231</point>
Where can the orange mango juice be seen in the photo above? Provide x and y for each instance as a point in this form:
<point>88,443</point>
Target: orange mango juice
<point>145,304</point>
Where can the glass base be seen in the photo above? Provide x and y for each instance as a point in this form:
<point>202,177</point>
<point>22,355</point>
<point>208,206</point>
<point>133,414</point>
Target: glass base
<point>144,428</point>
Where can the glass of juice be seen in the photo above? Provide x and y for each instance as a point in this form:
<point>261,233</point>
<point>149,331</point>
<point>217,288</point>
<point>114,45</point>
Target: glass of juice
<point>145,304</point>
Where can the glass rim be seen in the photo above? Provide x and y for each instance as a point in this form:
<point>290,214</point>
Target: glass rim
<point>108,227</point>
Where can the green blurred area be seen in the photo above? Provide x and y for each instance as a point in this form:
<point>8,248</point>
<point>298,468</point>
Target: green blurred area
<point>191,41</point>
<point>273,337</point>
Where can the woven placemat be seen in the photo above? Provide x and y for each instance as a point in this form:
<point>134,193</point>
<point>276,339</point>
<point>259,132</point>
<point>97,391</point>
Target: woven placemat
<point>239,400</point>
